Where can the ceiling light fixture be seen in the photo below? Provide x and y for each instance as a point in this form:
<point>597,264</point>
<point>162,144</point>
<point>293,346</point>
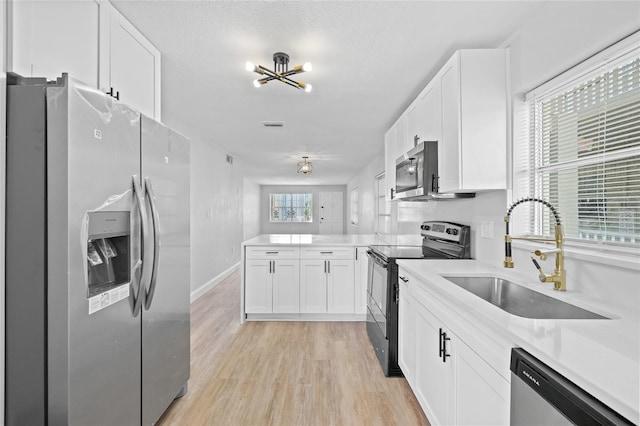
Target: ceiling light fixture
<point>305,166</point>
<point>281,73</point>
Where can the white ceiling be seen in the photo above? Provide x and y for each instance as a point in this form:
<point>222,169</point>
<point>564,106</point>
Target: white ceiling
<point>370,59</point>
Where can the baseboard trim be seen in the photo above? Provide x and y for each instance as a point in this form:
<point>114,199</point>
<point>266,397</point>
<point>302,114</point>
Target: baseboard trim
<point>195,294</point>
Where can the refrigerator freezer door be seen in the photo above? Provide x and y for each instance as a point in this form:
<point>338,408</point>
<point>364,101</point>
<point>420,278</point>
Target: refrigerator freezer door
<point>166,317</point>
<point>93,152</point>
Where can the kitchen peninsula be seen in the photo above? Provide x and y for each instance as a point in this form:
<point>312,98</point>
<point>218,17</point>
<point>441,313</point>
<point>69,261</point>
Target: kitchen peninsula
<point>310,277</point>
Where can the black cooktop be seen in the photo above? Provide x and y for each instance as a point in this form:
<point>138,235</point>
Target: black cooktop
<point>407,252</point>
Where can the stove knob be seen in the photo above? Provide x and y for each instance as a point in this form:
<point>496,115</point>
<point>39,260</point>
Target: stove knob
<point>452,231</point>
<point>425,227</point>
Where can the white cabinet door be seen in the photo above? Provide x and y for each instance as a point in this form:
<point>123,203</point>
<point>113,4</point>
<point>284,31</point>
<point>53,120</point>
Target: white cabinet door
<point>432,110</point>
<point>258,286</point>
<point>407,332</point>
<point>361,271</point>
<point>449,148</point>
<point>286,290</point>
<point>134,68</point>
<point>390,163</point>
<point>313,286</point>
<point>473,153</point>
<point>415,123</point>
<point>403,141</point>
<point>482,395</point>
<point>434,377</point>
<point>340,288</point>
<point>47,38</point>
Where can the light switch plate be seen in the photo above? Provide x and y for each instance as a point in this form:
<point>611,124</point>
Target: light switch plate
<point>486,229</point>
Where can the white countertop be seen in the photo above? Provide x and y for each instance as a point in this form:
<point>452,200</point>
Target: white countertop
<point>600,356</point>
<point>356,240</point>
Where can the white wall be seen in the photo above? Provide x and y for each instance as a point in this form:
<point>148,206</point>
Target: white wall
<point>216,211</point>
<point>250,209</point>
<point>266,227</point>
<point>365,183</point>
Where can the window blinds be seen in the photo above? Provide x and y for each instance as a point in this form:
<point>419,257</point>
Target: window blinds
<point>585,155</point>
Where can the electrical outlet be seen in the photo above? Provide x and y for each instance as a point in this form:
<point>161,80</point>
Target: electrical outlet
<point>486,229</point>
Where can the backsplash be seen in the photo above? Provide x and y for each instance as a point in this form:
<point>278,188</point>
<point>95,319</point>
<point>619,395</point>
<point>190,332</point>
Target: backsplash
<point>616,281</point>
<point>485,207</point>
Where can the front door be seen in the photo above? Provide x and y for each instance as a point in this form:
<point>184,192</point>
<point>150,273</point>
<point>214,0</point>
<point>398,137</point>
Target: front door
<point>331,207</point>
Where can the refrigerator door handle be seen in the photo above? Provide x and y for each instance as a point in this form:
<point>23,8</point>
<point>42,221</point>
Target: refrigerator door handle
<point>137,191</point>
<point>155,220</point>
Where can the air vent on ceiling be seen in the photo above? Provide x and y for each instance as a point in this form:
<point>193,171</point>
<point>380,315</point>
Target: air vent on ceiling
<point>229,159</point>
<point>272,123</point>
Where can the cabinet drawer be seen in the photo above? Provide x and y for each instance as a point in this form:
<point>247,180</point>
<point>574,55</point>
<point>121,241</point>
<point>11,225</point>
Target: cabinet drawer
<point>344,252</point>
<point>272,252</point>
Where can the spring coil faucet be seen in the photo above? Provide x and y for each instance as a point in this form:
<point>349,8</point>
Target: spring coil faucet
<point>558,278</point>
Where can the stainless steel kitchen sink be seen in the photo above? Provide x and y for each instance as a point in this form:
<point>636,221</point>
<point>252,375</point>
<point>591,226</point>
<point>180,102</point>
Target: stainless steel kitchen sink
<point>521,301</point>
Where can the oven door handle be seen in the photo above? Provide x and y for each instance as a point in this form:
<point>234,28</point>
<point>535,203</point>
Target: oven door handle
<point>376,259</point>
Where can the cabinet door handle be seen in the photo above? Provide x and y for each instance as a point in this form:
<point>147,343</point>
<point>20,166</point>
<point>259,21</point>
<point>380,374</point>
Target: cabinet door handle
<point>406,280</point>
<point>274,266</point>
<point>440,343</point>
<point>443,350</point>
<point>328,266</point>
<point>269,266</point>
<point>392,190</point>
<point>325,266</point>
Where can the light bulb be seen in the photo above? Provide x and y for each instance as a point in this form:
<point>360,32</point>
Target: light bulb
<point>249,66</point>
<point>256,83</point>
<point>307,67</point>
<point>308,87</point>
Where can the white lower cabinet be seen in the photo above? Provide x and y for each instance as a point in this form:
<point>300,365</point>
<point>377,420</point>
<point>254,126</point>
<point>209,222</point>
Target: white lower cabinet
<point>271,286</point>
<point>453,384</point>
<point>360,273</point>
<point>407,331</point>
<point>327,286</point>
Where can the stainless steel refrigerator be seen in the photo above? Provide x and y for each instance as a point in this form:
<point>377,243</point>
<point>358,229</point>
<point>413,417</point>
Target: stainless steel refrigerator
<point>97,267</point>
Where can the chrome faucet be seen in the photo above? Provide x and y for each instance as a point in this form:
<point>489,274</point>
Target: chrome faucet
<point>558,278</point>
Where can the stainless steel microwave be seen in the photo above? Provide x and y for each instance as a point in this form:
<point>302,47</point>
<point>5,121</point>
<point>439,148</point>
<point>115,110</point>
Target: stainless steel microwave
<point>417,172</point>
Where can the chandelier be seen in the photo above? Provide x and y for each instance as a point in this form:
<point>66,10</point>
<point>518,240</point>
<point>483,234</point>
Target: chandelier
<point>281,73</point>
<point>305,166</point>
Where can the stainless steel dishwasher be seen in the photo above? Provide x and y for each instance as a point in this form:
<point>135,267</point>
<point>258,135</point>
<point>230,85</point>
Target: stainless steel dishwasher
<point>541,396</point>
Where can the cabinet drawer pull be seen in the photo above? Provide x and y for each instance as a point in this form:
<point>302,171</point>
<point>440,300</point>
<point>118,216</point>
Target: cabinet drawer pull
<point>326,252</point>
<point>406,280</point>
<point>272,252</point>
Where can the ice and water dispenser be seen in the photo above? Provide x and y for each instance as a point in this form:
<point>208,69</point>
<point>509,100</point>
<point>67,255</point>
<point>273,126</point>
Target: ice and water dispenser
<point>108,251</point>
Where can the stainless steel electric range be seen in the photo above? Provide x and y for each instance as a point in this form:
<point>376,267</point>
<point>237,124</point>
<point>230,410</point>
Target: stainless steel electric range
<point>440,240</point>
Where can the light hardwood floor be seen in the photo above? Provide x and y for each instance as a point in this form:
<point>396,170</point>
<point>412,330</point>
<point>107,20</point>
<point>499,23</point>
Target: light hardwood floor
<point>284,373</point>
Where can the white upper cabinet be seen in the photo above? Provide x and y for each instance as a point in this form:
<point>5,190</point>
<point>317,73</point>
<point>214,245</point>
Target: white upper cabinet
<point>91,41</point>
<point>464,108</point>
<point>404,141</point>
<point>47,38</point>
<point>472,155</point>
<point>133,68</point>
<point>390,163</point>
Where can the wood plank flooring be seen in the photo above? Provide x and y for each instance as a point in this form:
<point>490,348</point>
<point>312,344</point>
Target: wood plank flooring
<point>284,373</point>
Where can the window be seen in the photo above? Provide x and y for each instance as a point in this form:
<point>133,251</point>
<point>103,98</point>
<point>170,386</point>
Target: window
<point>354,207</point>
<point>291,207</point>
<point>585,153</point>
<point>383,207</point>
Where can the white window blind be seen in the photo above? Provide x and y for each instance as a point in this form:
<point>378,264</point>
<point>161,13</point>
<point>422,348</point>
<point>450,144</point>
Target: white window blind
<point>585,154</point>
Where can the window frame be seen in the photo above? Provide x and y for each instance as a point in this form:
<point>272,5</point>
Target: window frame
<point>291,195</point>
<point>537,220</point>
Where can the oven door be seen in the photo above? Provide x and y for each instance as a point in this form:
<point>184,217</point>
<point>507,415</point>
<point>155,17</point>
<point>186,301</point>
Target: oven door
<point>377,280</point>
